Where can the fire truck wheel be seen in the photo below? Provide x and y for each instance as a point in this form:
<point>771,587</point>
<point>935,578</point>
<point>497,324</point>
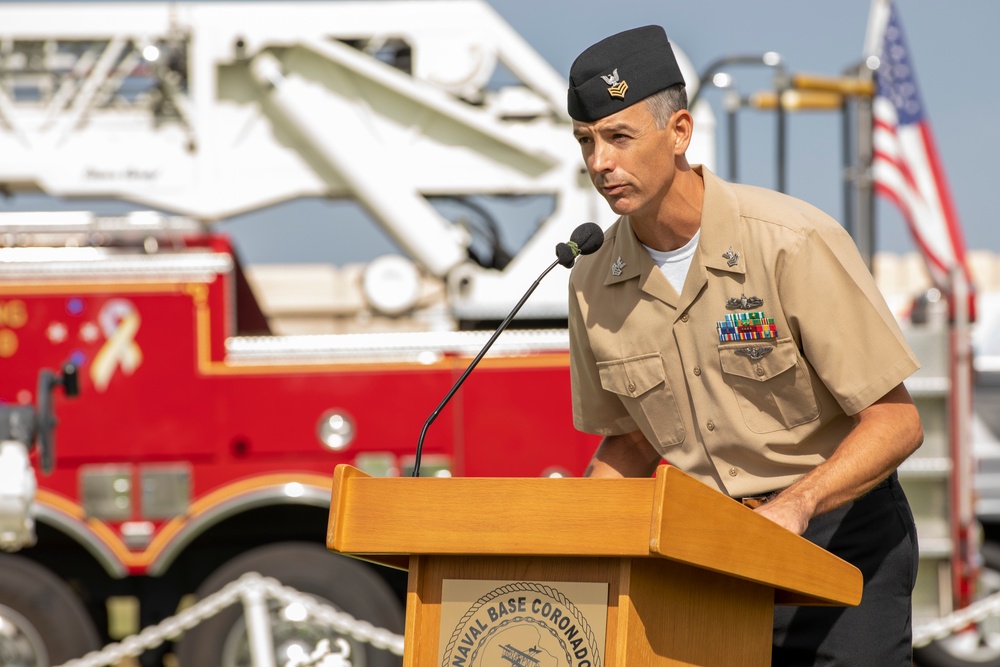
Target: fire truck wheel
<point>347,585</point>
<point>43,621</point>
<point>979,644</point>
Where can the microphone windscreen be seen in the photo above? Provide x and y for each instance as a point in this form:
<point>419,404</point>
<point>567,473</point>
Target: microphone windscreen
<point>565,255</point>
<point>588,237</point>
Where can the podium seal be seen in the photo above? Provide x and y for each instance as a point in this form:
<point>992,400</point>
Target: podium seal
<point>523,624</point>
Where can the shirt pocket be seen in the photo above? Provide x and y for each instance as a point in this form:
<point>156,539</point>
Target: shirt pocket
<point>641,384</point>
<point>771,384</point>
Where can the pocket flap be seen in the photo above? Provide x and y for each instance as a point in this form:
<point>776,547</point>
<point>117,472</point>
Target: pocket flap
<point>633,376</point>
<point>757,360</point>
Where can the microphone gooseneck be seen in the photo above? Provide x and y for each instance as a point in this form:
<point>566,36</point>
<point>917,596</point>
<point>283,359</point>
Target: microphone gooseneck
<point>584,240</point>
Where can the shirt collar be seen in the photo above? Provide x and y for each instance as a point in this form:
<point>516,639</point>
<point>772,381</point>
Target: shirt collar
<point>720,234</point>
<point>628,255</point>
<point>721,244</point>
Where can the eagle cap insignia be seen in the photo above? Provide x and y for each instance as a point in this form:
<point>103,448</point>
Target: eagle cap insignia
<point>616,86</point>
<point>617,266</point>
<point>611,79</point>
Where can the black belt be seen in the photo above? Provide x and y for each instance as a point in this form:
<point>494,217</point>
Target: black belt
<point>753,502</point>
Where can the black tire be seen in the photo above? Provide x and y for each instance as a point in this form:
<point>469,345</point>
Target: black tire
<point>979,647</point>
<point>948,654</point>
<point>51,621</point>
<point>348,585</point>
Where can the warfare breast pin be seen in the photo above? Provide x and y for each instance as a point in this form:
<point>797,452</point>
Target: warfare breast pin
<point>616,86</point>
<point>744,302</point>
<point>754,353</point>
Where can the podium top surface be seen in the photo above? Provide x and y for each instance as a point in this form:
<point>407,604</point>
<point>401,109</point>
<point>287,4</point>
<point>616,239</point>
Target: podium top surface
<point>670,516</point>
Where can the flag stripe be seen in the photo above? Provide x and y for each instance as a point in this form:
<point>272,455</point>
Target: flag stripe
<point>944,195</point>
<point>892,161</point>
<point>935,266</point>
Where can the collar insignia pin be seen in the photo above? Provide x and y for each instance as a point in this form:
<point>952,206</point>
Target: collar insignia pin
<point>616,87</point>
<point>731,257</point>
<point>617,266</point>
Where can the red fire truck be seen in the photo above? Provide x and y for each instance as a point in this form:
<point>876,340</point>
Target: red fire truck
<point>201,444</point>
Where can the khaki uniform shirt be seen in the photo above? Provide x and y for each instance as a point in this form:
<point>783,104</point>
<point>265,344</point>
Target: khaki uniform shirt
<point>747,416</point>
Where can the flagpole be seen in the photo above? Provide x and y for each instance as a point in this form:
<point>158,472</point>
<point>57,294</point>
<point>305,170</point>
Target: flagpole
<point>960,408</point>
<point>864,195</point>
<point>878,16</point>
<point>864,199</point>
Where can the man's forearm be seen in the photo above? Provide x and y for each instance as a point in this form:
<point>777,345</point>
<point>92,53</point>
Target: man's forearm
<point>628,455</point>
<point>886,433</point>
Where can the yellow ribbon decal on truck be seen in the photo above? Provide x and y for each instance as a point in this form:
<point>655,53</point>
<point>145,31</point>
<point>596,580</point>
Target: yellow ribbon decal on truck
<point>120,322</point>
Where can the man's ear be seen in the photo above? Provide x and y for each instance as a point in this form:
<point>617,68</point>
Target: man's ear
<point>683,125</point>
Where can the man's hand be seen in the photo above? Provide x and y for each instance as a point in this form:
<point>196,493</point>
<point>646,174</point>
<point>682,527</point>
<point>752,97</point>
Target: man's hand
<point>790,513</point>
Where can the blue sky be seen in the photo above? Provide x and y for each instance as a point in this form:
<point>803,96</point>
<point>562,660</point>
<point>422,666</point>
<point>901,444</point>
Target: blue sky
<point>952,49</point>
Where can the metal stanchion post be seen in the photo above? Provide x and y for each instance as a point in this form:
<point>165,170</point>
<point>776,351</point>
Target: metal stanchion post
<point>258,622</point>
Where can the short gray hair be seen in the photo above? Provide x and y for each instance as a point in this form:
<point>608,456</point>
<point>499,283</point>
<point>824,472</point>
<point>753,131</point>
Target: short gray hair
<point>666,103</point>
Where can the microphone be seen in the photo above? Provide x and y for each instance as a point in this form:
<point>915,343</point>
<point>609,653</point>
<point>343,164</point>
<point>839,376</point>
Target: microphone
<point>584,240</point>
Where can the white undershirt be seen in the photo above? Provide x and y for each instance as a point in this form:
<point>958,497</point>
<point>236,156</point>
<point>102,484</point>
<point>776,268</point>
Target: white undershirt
<point>675,263</point>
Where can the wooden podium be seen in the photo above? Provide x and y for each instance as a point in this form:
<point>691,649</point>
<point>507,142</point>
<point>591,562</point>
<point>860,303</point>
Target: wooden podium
<point>692,576</point>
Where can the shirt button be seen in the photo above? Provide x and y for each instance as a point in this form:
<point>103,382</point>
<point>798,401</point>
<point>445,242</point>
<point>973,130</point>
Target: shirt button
<point>631,387</point>
<point>760,371</point>
<point>685,317</point>
<point>697,370</point>
<point>732,472</point>
<point>710,425</point>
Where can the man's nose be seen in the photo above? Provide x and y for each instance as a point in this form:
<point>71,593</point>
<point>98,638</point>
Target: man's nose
<point>603,160</point>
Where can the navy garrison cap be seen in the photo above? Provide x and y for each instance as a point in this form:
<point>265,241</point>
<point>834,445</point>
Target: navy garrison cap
<point>619,71</point>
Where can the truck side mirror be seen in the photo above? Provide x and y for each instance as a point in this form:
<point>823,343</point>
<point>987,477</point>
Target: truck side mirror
<point>45,418</point>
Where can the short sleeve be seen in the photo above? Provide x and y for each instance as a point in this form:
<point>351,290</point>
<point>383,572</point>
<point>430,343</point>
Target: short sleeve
<point>843,325</point>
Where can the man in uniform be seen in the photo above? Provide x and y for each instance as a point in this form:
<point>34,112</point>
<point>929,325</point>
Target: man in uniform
<point>736,333</point>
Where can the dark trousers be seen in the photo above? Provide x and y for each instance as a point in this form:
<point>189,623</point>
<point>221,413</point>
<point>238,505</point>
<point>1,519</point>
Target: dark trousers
<point>876,534</point>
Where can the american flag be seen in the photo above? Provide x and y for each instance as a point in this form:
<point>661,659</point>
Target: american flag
<point>905,164</point>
